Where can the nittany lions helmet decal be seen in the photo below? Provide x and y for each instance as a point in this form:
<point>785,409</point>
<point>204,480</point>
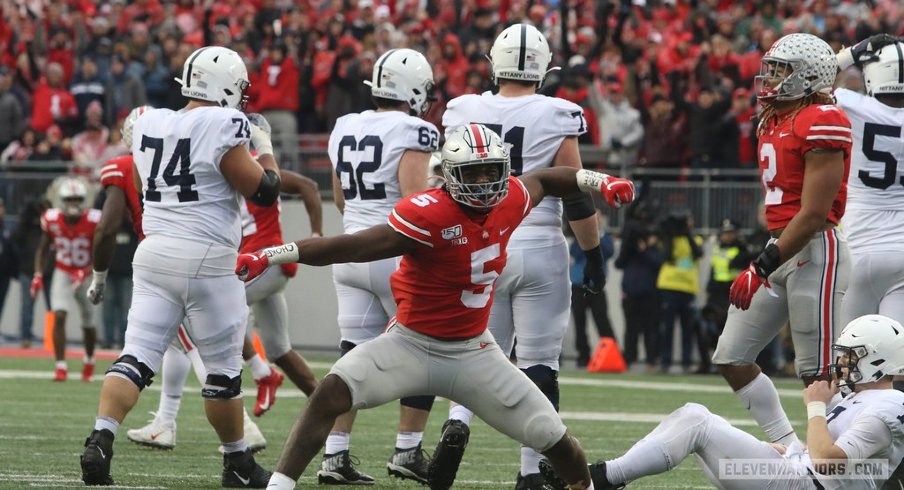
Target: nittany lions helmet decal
<point>796,66</point>
<point>885,75</point>
<point>467,148</point>
<point>520,52</point>
<point>215,74</point>
<point>869,348</point>
<point>404,75</point>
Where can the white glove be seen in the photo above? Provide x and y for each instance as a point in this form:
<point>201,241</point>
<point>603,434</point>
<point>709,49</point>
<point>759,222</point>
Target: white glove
<point>260,141</point>
<point>260,121</point>
<point>96,289</point>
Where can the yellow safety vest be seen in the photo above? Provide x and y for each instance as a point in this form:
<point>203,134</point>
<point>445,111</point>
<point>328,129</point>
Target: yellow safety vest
<point>680,273</point>
<point>721,263</point>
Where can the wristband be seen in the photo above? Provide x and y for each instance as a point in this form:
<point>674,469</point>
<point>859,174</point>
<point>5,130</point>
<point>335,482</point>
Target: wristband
<point>590,181</point>
<point>100,277</point>
<point>816,409</point>
<point>282,254</point>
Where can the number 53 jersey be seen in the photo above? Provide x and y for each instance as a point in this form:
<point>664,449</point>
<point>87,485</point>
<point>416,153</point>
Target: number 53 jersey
<point>177,155</point>
<point>365,150</point>
<point>875,203</point>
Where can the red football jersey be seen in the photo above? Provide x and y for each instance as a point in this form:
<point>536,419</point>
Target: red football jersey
<point>445,288</point>
<point>72,242</point>
<point>781,157</point>
<point>261,229</point>
<point>118,172</point>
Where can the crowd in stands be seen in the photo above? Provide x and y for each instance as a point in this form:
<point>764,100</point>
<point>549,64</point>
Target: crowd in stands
<point>664,83</point>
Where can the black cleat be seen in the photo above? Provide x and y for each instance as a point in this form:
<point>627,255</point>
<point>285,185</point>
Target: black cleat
<point>409,464</point>
<point>339,469</point>
<point>449,451</point>
<point>241,471</point>
<point>599,479</point>
<point>95,460</point>
<point>550,476</point>
<point>896,479</point>
<point>535,481</point>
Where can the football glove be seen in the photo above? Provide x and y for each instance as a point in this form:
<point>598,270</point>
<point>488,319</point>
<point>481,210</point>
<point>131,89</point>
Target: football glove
<point>617,191</point>
<point>37,284</point>
<point>594,276</point>
<point>250,265</point>
<point>757,274</point>
<point>96,289</point>
<point>865,51</point>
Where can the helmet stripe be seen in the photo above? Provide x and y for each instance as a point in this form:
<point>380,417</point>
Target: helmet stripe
<point>191,62</point>
<point>478,139</point>
<point>380,68</point>
<point>523,50</point>
<point>900,63</point>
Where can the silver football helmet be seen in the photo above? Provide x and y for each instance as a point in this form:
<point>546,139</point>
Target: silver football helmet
<point>73,193</point>
<point>520,52</point>
<point>885,75</point>
<point>476,166</point>
<point>216,74</point>
<point>404,75</point>
<point>796,66</point>
<point>869,348</point>
<point>129,124</point>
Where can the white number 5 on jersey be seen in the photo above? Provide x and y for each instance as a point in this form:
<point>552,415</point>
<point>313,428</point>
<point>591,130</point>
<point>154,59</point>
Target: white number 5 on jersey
<point>479,277</point>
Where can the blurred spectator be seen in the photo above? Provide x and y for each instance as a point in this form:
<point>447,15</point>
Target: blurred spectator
<point>343,81</point>
<point>9,258</point>
<point>576,88</point>
<point>49,148</point>
<point>52,104</point>
<point>87,86</point>
<point>12,117</point>
<point>481,28</point>
<point>580,302</point>
<point>26,238</point>
<point>89,145</point>
<point>704,121</point>
<point>156,77</point>
<point>621,130</point>
<point>21,149</point>
<point>115,146</point>
<point>743,112</point>
<point>678,284</point>
<point>124,92</point>
<point>452,70</point>
<point>664,136</point>
<point>276,94</point>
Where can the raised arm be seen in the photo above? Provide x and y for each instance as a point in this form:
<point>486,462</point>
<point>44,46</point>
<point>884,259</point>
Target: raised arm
<point>568,181</point>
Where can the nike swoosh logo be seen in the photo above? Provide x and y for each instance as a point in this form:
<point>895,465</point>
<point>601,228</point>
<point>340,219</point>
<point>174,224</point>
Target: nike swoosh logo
<point>266,404</point>
<point>244,481</point>
<point>801,263</point>
<point>483,345</point>
<point>504,230</point>
<point>155,436</point>
<point>782,135</point>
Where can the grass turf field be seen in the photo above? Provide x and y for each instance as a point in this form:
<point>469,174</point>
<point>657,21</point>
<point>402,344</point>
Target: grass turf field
<point>44,426</point>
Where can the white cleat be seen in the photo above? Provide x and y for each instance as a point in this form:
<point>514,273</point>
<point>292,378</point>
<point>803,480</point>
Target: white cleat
<point>253,436</point>
<point>155,434</point>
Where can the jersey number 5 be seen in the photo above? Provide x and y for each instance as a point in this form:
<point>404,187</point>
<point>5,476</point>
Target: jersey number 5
<point>181,157</point>
<point>356,183</point>
<point>774,193</point>
<point>870,131</point>
<point>481,277</point>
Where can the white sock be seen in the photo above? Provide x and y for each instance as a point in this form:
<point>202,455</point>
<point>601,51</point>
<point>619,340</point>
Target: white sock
<point>590,487</point>
<point>238,446</point>
<point>175,371</point>
<point>408,440</point>
<point>279,481</point>
<point>109,423</point>
<point>62,365</point>
<point>337,442</point>
<point>530,461</point>
<point>259,368</point>
<point>88,359</point>
<point>459,412</point>
<point>761,399</point>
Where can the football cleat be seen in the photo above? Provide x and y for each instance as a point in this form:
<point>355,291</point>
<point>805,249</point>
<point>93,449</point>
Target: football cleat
<point>87,372</point>
<point>536,481</point>
<point>253,436</point>
<point>60,374</point>
<point>266,391</point>
<point>96,459</point>
<point>339,469</point>
<point>241,471</point>
<point>155,434</point>
<point>599,479</point>
<point>409,464</point>
<point>447,457</point>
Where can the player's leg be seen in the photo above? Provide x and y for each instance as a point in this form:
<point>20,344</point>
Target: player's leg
<point>89,329</point>
<point>61,297</point>
<point>746,333</point>
<point>372,374</point>
<point>153,318</point>
<point>579,306</point>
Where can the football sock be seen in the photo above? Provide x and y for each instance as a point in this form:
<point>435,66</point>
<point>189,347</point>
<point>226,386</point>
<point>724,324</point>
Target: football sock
<point>459,412</point>
<point>88,359</point>
<point>259,368</point>
<point>761,399</point>
<point>337,442</point>
<point>237,446</point>
<point>175,371</point>
<point>279,481</point>
<point>109,423</point>
<point>530,461</point>
<point>62,365</point>
<point>408,440</point>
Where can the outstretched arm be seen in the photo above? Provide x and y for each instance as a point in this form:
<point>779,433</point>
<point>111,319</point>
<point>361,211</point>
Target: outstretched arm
<point>307,188</point>
<point>567,181</point>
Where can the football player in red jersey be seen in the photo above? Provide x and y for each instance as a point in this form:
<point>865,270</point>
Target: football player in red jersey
<point>452,242</point>
<point>70,231</point>
<point>802,273</point>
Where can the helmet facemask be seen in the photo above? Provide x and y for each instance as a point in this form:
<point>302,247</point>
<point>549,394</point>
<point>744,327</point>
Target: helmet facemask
<point>846,370</point>
<point>73,206</point>
<point>479,184</point>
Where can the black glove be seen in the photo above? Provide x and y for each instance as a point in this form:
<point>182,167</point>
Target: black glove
<point>867,50</point>
<point>768,261</point>
<point>594,275</point>
<point>616,144</point>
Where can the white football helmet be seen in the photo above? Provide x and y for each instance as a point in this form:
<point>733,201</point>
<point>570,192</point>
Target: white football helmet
<point>796,66</point>
<point>520,53</point>
<point>404,75</point>
<point>886,74</point>
<point>469,147</point>
<point>73,194</point>
<point>129,124</point>
<point>215,74</point>
<point>869,347</point>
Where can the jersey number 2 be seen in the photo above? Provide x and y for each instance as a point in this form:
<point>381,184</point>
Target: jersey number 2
<point>181,157</point>
<point>356,183</point>
<point>774,193</point>
<point>481,277</point>
<point>870,131</point>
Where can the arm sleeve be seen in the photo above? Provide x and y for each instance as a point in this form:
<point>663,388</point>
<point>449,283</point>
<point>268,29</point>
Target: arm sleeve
<point>824,127</point>
<point>410,220</point>
<point>865,437</point>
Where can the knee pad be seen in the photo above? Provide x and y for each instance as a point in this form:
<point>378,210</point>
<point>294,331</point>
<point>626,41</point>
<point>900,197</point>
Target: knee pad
<point>129,368</point>
<point>547,380</point>
<point>423,402</point>
<point>345,347</point>
<point>221,387</point>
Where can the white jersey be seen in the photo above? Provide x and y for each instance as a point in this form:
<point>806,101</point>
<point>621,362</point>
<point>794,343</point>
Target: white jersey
<point>868,425</point>
<point>177,155</point>
<point>365,150</point>
<point>874,216</point>
<point>535,126</point>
